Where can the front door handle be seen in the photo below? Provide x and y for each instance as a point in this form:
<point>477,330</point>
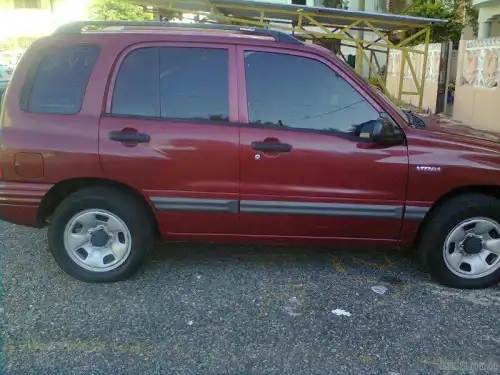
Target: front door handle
<point>271,147</point>
<point>129,136</point>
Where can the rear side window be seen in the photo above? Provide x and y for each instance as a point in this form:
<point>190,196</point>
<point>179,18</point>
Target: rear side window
<point>181,83</point>
<point>137,88</point>
<point>194,83</point>
<point>61,79</point>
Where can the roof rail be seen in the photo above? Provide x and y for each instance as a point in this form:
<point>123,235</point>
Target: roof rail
<point>77,27</point>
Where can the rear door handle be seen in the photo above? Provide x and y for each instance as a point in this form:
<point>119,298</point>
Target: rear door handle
<point>129,136</point>
<point>271,147</point>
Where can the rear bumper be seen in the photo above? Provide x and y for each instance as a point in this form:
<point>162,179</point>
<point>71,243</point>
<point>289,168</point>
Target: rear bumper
<point>21,215</point>
<point>20,202</point>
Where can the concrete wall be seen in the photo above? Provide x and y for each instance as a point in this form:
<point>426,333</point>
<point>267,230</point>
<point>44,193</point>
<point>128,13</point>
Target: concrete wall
<point>477,93</point>
<point>488,10</point>
<point>468,33</point>
<point>495,28</point>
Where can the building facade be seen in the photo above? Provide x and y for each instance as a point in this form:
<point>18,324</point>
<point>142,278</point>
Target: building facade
<point>22,21</point>
<point>489,18</point>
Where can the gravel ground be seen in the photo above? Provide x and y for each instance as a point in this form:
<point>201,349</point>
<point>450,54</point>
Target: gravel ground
<point>212,309</point>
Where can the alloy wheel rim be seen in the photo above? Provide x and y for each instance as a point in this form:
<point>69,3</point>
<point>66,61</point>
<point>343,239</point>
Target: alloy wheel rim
<point>97,240</point>
<point>472,248</point>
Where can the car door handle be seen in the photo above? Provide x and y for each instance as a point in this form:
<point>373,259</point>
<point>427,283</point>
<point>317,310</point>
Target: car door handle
<point>271,147</point>
<point>129,136</point>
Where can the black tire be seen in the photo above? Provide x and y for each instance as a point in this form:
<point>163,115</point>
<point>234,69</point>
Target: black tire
<point>132,212</point>
<point>442,221</point>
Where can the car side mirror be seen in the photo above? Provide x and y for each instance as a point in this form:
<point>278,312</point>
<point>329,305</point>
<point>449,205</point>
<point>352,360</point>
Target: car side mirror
<point>386,133</point>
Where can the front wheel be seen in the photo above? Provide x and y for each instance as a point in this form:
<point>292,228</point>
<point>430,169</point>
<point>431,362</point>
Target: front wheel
<point>461,244</point>
<point>100,235</point>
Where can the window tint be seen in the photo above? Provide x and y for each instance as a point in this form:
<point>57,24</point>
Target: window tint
<point>173,82</point>
<point>136,91</point>
<point>297,92</point>
<point>380,93</point>
<point>194,83</point>
<point>61,79</point>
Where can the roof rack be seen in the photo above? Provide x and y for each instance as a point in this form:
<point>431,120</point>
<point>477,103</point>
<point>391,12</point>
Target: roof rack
<point>77,27</point>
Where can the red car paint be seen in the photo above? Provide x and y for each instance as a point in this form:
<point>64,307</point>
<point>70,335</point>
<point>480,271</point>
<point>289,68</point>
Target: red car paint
<point>280,198</point>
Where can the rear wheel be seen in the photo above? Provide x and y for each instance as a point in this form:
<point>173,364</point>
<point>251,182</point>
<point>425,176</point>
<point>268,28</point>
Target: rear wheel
<point>100,235</point>
<point>461,244</point>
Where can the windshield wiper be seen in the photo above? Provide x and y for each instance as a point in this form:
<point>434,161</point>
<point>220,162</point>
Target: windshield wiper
<point>413,120</point>
<point>409,117</point>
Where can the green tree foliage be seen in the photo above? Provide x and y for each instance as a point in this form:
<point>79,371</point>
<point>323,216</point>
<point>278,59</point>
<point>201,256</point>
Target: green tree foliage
<point>116,10</point>
<point>458,15</point>
<point>471,14</point>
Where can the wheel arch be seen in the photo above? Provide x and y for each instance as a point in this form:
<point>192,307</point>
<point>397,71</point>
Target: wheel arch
<point>63,189</point>
<point>489,190</point>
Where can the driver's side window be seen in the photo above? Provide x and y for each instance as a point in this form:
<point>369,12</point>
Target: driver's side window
<point>302,93</point>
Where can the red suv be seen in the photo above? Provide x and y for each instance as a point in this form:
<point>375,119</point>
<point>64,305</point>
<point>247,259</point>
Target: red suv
<point>116,137</point>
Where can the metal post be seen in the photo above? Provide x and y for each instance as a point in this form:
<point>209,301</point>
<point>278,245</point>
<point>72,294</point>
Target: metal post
<point>386,74</point>
<point>448,70</point>
<point>359,58</point>
<point>401,76</point>
<point>424,68</point>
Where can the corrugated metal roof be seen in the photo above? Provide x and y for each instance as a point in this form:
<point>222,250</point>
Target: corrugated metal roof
<point>289,13</point>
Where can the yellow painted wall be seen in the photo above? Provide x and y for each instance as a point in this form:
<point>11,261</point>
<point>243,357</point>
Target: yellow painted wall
<point>495,29</point>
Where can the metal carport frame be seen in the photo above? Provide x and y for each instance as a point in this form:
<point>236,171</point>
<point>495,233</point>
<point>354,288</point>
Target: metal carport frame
<point>315,23</point>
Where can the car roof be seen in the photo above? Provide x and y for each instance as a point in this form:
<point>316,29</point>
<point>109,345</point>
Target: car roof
<point>179,32</point>
<point>154,27</point>
<point>128,38</point>
<point>127,33</point>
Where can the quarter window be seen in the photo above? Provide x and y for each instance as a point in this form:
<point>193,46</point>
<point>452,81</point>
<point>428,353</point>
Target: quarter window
<point>296,92</point>
<point>61,79</point>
